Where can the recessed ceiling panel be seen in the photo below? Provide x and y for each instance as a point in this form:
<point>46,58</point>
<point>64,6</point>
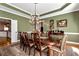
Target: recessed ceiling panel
<point>41,7</point>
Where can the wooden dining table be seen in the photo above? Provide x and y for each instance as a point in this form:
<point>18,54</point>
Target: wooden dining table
<point>48,43</point>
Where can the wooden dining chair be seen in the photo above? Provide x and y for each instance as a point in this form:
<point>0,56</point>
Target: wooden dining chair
<point>60,50</point>
<point>22,41</point>
<point>37,44</point>
<point>29,43</point>
<point>20,37</point>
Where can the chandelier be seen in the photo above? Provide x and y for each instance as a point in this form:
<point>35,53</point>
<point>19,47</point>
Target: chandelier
<point>35,18</point>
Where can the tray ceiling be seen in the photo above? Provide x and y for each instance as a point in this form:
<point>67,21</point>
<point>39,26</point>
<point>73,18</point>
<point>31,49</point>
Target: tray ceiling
<point>41,7</point>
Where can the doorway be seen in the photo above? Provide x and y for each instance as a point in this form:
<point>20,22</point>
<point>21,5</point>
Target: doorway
<point>5,32</point>
<point>8,31</point>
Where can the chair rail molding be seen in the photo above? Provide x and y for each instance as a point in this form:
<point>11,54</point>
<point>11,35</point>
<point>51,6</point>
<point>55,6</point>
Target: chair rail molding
<point>71,33</point>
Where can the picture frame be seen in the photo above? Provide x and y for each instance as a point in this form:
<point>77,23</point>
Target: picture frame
<point>51,24</point>
<point>62,23</point>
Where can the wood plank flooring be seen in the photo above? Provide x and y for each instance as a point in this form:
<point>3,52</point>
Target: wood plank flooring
<point>15,50</point>
<point>4,41</point>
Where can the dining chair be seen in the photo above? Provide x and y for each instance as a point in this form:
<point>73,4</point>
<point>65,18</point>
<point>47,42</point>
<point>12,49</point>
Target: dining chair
<point>22,44</point>
<point>20,37</point>
<point>37,44</point>
<point>60,50</point>
<point>27,43</point>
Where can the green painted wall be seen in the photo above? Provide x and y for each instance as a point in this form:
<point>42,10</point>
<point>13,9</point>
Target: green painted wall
<point>23,24</point>
<point>72,24</point>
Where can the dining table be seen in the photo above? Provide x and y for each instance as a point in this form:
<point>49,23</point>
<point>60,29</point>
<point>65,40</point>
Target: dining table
<point>48,43</point>
<point>45,40</point>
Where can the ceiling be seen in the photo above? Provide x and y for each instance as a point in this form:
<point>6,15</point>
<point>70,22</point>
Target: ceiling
<point>41,7</point>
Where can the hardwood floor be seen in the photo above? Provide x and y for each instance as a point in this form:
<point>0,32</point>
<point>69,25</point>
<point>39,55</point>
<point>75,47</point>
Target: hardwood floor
<point>15,50</point>
<point>4,41</point>
<point>72,45</point>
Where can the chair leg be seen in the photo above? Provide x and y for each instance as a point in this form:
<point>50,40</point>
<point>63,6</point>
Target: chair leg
<point>40,53</point>
<point>48,52</point>
<point>25,49</point>
<point>34,51</point>
<point>29,51</point>
<point>20,46</point>
<point>53,53</point>
<point>61,54</point>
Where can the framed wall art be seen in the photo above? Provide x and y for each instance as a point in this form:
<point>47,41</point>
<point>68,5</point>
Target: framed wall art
<point>51,24</point>
<point>62,23</point>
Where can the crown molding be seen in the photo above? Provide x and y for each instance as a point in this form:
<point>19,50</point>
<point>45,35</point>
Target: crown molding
<point>64,6</point>
<point>15,8</point>
<point>14,14</point>
<point>9,10</point>
<point>28,13</point>
<point>70,9</point>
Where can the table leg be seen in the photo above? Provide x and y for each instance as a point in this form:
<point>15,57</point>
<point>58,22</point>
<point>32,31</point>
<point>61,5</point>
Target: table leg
<point>49,51</point>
